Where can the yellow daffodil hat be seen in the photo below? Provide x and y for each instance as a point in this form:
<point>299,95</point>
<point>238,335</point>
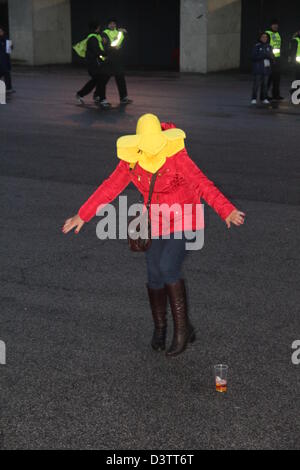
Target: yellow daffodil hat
<point>150,146</point>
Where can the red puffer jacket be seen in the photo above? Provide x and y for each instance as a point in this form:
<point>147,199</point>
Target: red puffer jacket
<point>179,182</point>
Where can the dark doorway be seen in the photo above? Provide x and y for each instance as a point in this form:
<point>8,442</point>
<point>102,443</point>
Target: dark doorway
<point>153,29</point>
<point>256,17</point>
<point>4,15</point>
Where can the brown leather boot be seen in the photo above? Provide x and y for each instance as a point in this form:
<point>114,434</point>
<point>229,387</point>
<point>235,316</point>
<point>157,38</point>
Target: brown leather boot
<point>183,329</point>
<point>158,302</point>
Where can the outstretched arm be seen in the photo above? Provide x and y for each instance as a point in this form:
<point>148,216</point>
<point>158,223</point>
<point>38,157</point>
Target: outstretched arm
<point>107,192</point>
<point>209,192</point>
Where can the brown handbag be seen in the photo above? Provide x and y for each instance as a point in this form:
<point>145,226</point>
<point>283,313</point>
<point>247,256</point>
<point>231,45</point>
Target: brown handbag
<point>135,241</point>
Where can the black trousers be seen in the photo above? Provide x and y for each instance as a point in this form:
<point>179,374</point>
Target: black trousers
<point>101,87</point>
<point>274,80</point>
<point>88,87</point>
<point>102,81</point>
<point>260,82</point>
<point>121,84</point>
<point>97,81</point>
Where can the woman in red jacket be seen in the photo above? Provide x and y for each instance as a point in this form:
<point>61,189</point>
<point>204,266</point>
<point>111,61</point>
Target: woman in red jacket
<point>159,148</point>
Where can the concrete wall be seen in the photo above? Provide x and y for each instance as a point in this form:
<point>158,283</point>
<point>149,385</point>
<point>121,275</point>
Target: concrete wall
<point>41,31</point>
<point>224,34</point>
<point>210,32</point>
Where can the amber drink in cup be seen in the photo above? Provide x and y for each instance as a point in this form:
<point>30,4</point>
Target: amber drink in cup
<point>221,376</point>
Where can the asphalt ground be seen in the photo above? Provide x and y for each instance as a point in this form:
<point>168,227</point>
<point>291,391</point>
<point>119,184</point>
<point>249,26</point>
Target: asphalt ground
<point>75,319</point>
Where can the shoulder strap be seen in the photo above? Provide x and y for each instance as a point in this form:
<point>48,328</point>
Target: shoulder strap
<point>153,179</point>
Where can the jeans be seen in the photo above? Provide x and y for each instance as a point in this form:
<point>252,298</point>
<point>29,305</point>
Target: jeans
<point>260,82</point>
<point>164,260</point>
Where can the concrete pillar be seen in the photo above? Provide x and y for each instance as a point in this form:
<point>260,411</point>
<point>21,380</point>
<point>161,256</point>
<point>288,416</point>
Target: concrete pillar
<point>210,35</point>
<point>40,31</point>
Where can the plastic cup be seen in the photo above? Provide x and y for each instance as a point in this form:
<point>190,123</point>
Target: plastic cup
<point>221,376</point>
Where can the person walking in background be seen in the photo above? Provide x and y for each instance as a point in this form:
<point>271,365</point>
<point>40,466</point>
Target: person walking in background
<point>295,54</point>
<point>93,50</point>
<point>262,58</point>
<point>275,76</point>
<point>5,65</point>
<point>115,42</point>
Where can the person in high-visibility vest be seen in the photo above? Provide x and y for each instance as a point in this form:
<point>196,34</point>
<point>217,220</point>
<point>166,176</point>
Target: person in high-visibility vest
<point>115,42</point>
<point>295,54</point>
<point>276,44</point>
<point>92,49</point>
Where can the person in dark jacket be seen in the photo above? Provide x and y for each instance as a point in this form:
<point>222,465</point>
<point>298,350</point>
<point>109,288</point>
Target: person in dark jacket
<point>96,63</point>
<point>5,66</point>
<point>262,58</point>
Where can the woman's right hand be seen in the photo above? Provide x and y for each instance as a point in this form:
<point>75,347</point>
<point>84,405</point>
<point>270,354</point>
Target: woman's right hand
<point>74,222</point>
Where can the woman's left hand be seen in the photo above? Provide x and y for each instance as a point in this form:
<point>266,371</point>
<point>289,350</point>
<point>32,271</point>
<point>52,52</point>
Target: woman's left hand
<point>236,217</point>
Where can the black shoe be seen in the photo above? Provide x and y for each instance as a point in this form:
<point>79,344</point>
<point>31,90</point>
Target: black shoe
<point>10,91</point>
<point>126,100</point>
<point>79,99</point>
<point>103,104</point>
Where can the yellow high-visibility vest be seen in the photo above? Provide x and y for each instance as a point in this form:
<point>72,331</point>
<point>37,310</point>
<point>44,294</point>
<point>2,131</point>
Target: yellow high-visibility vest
<point>115,36</point>
<point>298,50</point>
<point>275,42</point>
<point>80,47</point>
